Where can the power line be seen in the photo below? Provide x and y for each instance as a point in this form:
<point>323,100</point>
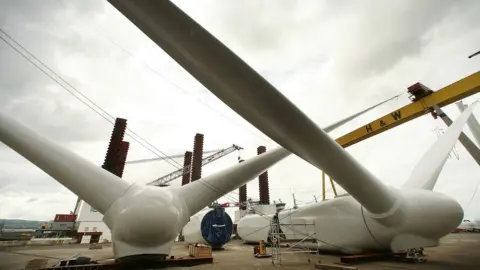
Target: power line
<point>171,82</point>
<point>148,146</point>
<point>473,55</point>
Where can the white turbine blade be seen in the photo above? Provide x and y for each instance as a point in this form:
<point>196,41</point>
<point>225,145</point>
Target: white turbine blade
<point>203,192</point>
<point>472,122</point>
<point>426,172</point>
<point>251,96</point>
<point>348,119</point>
<point>93,184</point>
<point>471,147</point>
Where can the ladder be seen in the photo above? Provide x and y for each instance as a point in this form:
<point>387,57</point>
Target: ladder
<point>275,238</point>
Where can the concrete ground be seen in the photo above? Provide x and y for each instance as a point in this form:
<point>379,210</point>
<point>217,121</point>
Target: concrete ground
<point>457,251</point>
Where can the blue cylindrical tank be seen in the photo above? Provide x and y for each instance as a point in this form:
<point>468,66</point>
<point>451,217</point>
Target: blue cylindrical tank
<point>217,227</point>
<point>213,227</point>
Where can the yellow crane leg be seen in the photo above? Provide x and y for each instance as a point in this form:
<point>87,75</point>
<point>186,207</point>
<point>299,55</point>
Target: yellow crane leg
<point>323,186</point>
<point>452,93</point>
<point>333,186</point>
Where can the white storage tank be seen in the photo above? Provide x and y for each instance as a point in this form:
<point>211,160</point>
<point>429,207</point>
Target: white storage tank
<point>212,227</point>
<point>251,228</point>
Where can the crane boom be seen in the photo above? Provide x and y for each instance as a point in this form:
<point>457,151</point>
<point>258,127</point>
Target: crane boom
<point>167,157</point>
<point>421,105</point>
<point>180,172</point>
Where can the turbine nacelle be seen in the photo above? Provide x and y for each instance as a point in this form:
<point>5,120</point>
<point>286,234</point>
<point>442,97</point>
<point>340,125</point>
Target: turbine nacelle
<point>433,214</point>
<point>146,220</point>
<point>422,218</point>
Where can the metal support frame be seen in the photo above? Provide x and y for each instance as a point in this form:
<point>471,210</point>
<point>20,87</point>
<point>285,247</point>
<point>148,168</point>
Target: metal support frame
<point>323,186</point>
<point>333,187</point>
<point>324,190</point>
<point>415,255</point>
<point>277,236</point>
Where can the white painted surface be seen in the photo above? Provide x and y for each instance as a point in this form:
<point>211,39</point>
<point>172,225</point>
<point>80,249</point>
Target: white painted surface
<point>85,239</point>
<point>469,225</point>
<point>89,220</point>
<point>426,172</point>
<point>469,145</point>
<point>340,225</point>
<point>266,209</point>
<point>96,226</point>
<point>192,231</point>
<point>97,186</point>
<point>472,123</point>
<point>239,214</point>
<point>88,213</point>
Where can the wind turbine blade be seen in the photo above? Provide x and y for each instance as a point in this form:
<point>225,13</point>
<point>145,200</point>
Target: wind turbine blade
<point>426,172</point>
<point>471,147</point>
<point>93,184</point>
<point>349,118</point>
<point>204,191</point>
<point>472,122</point>
<point>251,96</point>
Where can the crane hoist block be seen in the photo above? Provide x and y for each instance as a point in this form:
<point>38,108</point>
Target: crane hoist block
<point>418,91</point>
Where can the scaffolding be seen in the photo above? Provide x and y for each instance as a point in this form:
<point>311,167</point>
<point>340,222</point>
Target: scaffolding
<point>278,238</point>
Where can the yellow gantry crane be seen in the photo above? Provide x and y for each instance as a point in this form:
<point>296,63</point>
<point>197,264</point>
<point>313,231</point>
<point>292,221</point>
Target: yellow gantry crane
<point>422,99</point>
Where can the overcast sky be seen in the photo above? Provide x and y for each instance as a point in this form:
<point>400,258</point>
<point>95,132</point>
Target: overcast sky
<point>331,58</point>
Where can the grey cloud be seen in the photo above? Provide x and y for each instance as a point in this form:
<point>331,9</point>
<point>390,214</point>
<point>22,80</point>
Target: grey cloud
<point>4,182</point>
<point>43,28</point>
<point>368,37</point>
<point>36,24</point>
<point>40,10</point>
<point>19,174</point>
<point>390,32</point>
<point>32,200</point>
<point>59,121</point>
<point>18,77</point>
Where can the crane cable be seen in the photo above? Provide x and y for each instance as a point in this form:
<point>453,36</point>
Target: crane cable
<point>147,145</point>
<point>261,136</point>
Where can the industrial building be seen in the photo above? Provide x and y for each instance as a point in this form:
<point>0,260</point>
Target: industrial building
<point>90,227</point>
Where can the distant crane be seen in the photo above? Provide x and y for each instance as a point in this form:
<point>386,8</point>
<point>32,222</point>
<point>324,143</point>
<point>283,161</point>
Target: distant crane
<point>131,162</point>
<point>473,55</point>
<point>164,180</point>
